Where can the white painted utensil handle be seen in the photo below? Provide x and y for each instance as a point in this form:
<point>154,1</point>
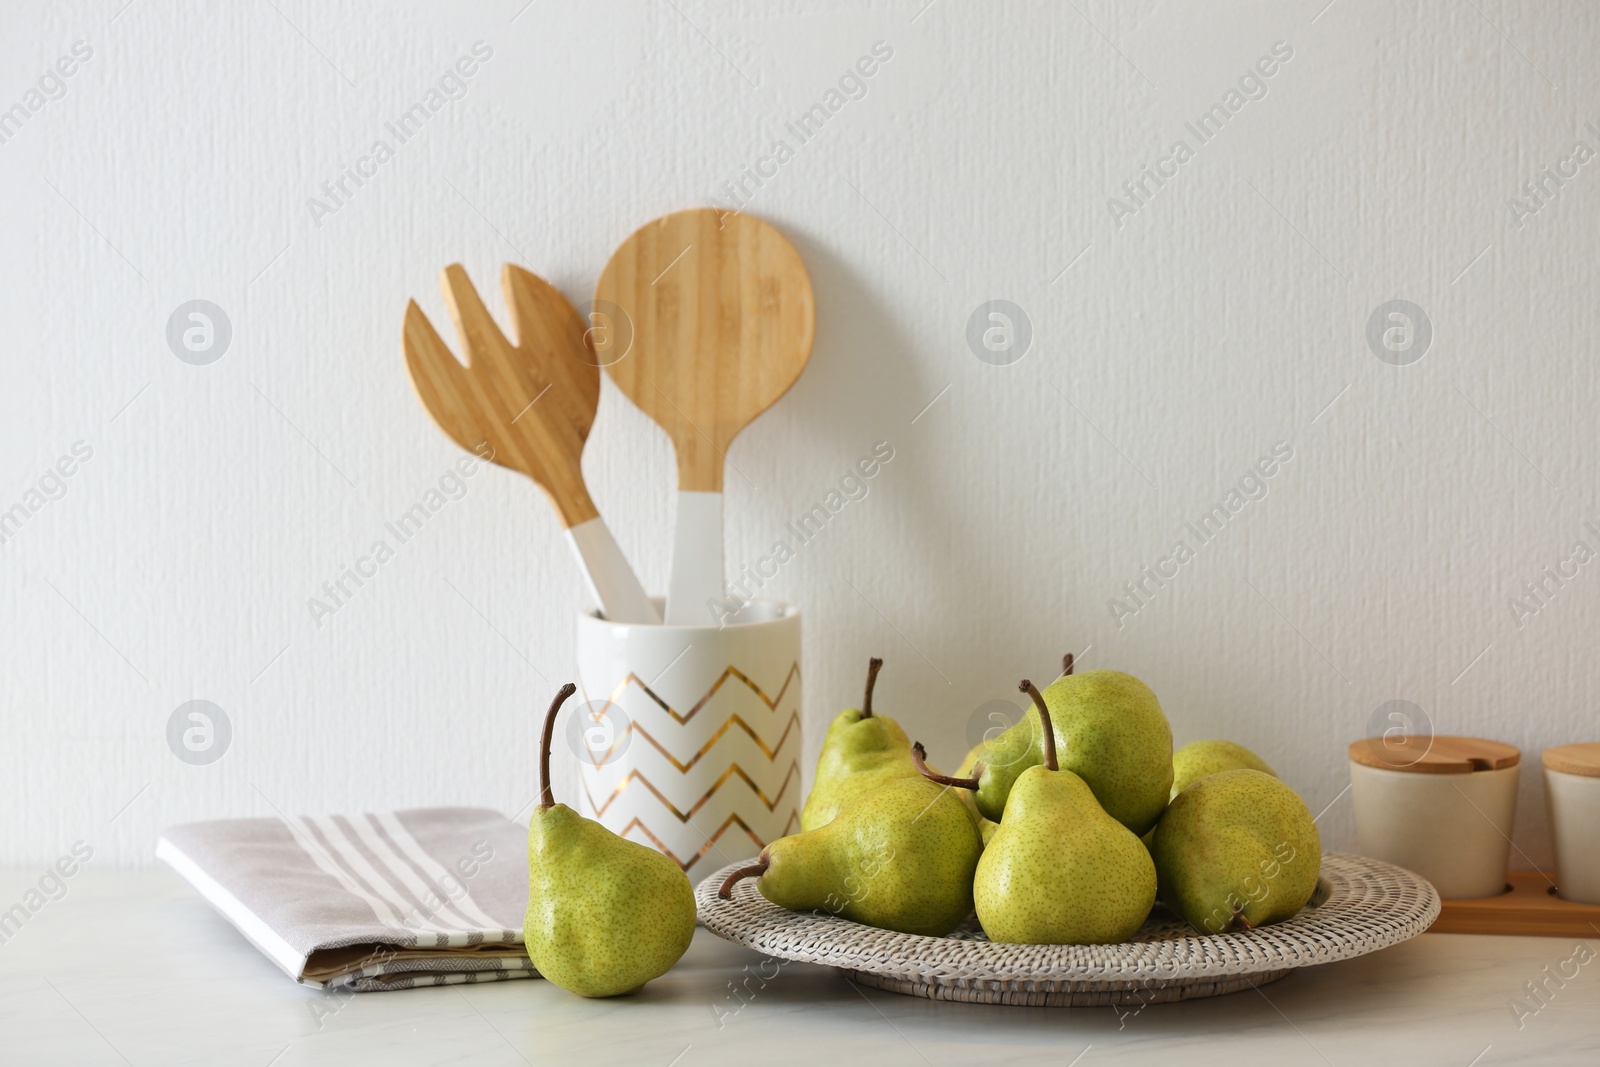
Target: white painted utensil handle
<point>696,560</point>
<point>612,584</point>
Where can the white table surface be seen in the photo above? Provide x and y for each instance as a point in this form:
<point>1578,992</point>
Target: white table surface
<point>134,968</point>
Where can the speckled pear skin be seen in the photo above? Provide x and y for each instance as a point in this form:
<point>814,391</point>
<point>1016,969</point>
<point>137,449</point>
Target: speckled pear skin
<point>1242,838</point>
<point>1197,759</point>
<point>899,858</point>
<point>1110,731</point>
<point>605,915</point>
<point>1059,870</point>
<point>858,755</point>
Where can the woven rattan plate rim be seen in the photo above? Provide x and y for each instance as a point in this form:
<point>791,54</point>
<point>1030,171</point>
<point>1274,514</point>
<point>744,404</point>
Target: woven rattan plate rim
<point>1361,905</point>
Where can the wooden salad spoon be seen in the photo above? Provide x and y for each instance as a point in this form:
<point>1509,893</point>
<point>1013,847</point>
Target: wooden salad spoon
<point>723,319</point>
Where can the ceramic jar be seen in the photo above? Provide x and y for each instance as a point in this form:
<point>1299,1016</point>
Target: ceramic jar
<point>688,737</point>
<point>1572,792</point>
<point>1442,807</point>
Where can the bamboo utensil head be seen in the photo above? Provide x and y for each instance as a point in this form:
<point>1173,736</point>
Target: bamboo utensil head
<point>532,402</point>
<point>723,321</point>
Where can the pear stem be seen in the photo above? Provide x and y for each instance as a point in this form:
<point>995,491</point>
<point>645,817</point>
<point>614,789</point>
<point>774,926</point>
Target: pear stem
<point>546,799</point>
<point>920,754</point>
<point>874,665</point>
<point>755,870</point>
<point>1044,718</point>
<point>1066,664</point>
<point>1239,922</point>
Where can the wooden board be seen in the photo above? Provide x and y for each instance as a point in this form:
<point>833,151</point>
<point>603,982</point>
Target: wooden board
<point>1530,909</point>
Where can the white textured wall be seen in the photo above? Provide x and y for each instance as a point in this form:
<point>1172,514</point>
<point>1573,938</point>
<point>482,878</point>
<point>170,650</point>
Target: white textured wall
<point>1168,354</point>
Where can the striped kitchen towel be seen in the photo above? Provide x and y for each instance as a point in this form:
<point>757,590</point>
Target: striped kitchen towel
<point>432,896</point>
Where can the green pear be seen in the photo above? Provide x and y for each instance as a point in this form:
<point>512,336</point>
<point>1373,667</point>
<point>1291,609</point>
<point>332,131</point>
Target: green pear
<point>860,752</point>
<point>1197,759</point>
<point>1060,870</point>
<point>1236,850</point>
<point>1109,730</point>
<point>900,858</point>
<point>605,915</point>
<point>987,827</point>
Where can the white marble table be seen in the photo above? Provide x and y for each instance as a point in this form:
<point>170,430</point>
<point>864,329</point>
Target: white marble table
<point>133,968</point>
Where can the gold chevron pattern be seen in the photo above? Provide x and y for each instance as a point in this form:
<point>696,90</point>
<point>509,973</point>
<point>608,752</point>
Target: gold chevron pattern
<point>670,838</point>
<point>683,768</point>
<point>711,842</point>
<point>728,672</point>
<point>685,816</point>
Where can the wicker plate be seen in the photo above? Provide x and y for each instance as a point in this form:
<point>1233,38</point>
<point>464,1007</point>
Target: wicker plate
<point>1361,905</point>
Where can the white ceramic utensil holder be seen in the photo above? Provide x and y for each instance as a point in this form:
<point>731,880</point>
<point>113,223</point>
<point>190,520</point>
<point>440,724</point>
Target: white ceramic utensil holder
<point>688,737</point>
<point>1446,817</point>
<point>1572,792</point>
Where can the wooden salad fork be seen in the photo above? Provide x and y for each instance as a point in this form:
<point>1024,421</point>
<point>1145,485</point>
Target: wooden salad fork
<point>527,406</point>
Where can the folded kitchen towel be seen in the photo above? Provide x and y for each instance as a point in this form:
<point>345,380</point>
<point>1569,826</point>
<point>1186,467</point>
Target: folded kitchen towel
<point>432,896</point>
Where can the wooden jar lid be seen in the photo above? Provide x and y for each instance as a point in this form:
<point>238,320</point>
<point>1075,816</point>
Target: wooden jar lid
<point>1421,754</point>
<point>1581,759</point>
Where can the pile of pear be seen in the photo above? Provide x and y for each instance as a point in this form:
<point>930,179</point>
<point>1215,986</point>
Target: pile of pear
<point>1067,828</point>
